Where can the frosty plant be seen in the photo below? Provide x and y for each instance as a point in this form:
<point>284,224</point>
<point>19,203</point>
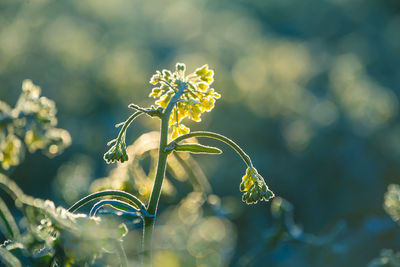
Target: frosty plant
<point>33,120</point>
<point>178,96</point>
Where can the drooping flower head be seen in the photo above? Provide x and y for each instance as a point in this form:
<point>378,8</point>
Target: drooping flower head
<point>198,97</point>
<point>254,187</point>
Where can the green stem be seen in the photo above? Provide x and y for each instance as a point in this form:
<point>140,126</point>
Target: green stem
<point>10,230</point>
<point>11,188</point>
<point>107,193</point>
<point>127,123</point>
<point>162,162</point>
<point>219,137</point>
<point>169,85</point>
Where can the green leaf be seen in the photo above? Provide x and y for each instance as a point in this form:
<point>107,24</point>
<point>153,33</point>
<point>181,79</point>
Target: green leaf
<point>197,148</point>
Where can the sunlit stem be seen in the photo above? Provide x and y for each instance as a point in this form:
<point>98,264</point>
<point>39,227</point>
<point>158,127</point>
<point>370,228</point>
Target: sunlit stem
<point>134,106</point>
<point>127,123</point>
<point>169,85</point>
<point>108,193</point>
<point>219,137</point>
<point>11,188</point>
<point>11,230</point>
<point>162,160</point>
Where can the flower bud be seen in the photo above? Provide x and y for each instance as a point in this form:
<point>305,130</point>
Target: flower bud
<point>116,153</point>
<point>254,187</point>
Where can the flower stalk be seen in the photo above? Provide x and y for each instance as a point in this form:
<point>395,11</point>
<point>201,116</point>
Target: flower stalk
<point>162,161</point>
<point>179,96</point>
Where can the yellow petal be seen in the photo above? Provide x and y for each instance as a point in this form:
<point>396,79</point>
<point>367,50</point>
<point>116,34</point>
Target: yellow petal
<point>207,104</point>
<point>203,86</point>
<point>183,129</point>
<point>164,100</point>
<point>156,92</point>
<point>175,132</point>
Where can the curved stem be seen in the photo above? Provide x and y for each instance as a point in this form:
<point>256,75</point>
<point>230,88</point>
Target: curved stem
<point>107,193</point>
<point>134,106</point>
<point>219,137</point>
<point>11,188</point>
<point>168,84</point>
<point>155,193</point>
<point>11,230</point>
<point>162,155</point>
<point>117,204</point>
<point>127,123</point>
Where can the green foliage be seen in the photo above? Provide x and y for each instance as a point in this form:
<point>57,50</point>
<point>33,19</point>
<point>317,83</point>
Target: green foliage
<point>134,178</point>
<point>58,237</point>
<point>33,119</point>
<point>54,236</point>
<point>49,236</point>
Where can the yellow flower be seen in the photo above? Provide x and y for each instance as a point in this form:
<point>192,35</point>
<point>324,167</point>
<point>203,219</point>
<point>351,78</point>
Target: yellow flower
<point>156,78</point>
<point>34,140</point>
<point>156,92</point>
<point>195,111</point>
<point>178,113</point>
<point>182,108</point>
<point>179,130</point>
<point>254,187</point>
<point>197,97</point>
<point>10,151</point>
<point>205,74</point>
<point>203,86</point>
<point>164,100</point>
<point>166,74</point>
<point>207,104</point>
<point>213,94</point>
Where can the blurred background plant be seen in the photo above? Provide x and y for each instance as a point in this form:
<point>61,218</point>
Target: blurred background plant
<point>391,205</point>
<point>310,87</point>
<point>33,120</point>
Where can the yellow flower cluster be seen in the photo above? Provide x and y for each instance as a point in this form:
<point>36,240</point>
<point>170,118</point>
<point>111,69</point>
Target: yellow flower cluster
<point>10,149</point>
<point>198,97</point>
<point>254,187</point>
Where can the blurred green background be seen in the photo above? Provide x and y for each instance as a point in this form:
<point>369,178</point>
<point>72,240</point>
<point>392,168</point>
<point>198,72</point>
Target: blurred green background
<point>310,89</point>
